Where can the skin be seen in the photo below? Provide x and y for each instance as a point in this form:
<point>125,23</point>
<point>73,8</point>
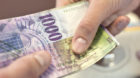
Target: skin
<point>138,55</point>
<point>109,13</point>
<point>30,66</point>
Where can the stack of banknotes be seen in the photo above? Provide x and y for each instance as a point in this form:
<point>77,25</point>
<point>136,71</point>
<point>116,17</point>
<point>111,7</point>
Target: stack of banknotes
<point>52,31</point>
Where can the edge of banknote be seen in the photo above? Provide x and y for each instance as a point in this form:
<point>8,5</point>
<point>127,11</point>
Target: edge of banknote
<point>55,8</point>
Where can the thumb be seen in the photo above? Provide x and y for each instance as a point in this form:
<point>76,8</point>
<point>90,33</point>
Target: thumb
<point>98,11</point>
<point>30,66</point>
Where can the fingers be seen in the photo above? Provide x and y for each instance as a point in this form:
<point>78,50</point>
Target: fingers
<point>60,3</point>
<point>138,55</point>
<point>123,11</point>
<point>109,20</point>
<point>132,6</point>
<point>119,24</point>
<point>30,66</point>
<point>87,29</point>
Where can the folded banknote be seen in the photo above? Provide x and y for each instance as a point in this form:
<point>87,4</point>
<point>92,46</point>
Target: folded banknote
<point>52,31</point>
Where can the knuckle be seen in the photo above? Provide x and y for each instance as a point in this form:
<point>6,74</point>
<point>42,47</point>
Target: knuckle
<point>30,61</point>
<point>106,23</point>
<point>87,29</point>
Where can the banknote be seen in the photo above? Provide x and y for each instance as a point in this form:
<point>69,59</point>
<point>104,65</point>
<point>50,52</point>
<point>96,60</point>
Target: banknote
<point>52,31</point>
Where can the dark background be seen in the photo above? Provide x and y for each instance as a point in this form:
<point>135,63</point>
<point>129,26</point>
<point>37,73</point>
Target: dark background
<point>137,11</point>
<point>12,8</point>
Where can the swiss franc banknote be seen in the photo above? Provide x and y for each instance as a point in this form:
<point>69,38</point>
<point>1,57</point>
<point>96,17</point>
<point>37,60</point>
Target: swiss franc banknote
<point>52,31</point>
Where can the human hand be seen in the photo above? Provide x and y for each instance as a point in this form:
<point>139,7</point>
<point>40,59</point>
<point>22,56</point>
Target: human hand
<point>107,12</point>
<point>30,66</point>
<point>138,54</point>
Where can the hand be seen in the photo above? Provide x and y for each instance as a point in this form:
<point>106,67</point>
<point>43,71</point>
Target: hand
<point>138,55</point>
<point>30,66</point>
<point>107,12</point>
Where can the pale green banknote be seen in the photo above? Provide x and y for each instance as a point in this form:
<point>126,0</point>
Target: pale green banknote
<point>52,31</point>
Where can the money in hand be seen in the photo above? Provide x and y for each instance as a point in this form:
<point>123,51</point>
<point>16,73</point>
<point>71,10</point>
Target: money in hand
<point>52,31</point>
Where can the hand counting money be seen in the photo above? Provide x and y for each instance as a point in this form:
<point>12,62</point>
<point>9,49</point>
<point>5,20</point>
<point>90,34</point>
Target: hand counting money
<point>52,31</point>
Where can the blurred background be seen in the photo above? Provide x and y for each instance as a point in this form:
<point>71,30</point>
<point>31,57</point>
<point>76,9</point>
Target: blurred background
<point>121,63</point>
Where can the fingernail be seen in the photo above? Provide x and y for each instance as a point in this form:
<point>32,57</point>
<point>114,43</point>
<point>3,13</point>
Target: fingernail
<point>121,25</point>
<point>42,58</point>
<point>79,45</point>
